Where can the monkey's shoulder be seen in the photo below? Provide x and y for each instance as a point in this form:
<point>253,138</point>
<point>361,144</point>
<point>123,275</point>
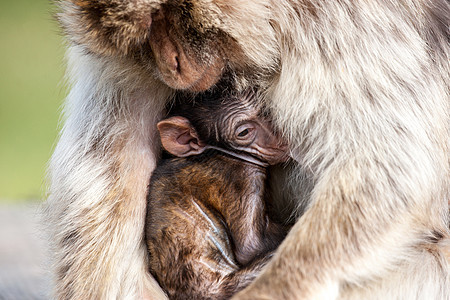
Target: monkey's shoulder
<point>205,177</point>
<point>208,165</point>
<point>180,187</point>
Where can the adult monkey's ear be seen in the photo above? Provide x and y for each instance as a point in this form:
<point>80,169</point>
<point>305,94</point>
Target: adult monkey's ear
<point>179,137</point>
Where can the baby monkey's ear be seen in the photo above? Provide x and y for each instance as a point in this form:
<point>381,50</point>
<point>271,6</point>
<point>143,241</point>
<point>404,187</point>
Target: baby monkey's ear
<point>179,137</point>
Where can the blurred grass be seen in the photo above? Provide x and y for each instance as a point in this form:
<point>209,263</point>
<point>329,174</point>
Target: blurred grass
<point>31,93</point>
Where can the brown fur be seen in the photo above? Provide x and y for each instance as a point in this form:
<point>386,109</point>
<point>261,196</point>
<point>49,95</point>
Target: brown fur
<point>185,243</point>
<point>208,230</point>
<point>359,89</point>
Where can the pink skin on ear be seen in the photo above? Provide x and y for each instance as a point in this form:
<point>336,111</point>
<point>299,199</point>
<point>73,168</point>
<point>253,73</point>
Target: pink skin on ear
<point>179,138</point>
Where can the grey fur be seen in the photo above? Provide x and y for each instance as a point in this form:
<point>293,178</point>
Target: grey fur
<point>360,89</point>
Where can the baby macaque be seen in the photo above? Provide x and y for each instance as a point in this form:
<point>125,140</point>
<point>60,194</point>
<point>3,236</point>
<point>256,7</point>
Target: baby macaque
<point>208,229</point>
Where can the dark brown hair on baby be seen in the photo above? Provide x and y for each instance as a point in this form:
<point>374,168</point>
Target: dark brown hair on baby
<point>208,230</point>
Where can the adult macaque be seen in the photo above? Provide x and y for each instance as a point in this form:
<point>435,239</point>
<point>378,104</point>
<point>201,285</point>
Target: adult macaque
<point>208,230</point>
<point>358,88</point>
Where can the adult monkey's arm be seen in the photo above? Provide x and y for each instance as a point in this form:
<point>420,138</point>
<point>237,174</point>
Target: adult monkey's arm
<point>101,166</point>
<point>368,89</point>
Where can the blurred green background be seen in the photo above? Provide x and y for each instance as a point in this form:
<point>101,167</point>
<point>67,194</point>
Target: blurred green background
<point>31,93</point>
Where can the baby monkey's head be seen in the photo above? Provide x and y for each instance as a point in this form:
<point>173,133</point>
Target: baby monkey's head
<point>233,123</point>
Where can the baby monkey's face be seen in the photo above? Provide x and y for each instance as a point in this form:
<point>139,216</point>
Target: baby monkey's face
<point>233,123</point>
<point>244,129</point>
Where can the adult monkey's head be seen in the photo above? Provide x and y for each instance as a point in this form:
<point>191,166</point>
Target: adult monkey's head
<point>190,43</point>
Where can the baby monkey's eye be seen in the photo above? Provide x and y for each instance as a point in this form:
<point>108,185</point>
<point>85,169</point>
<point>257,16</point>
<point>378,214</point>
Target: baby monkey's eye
<point>244,132</point>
